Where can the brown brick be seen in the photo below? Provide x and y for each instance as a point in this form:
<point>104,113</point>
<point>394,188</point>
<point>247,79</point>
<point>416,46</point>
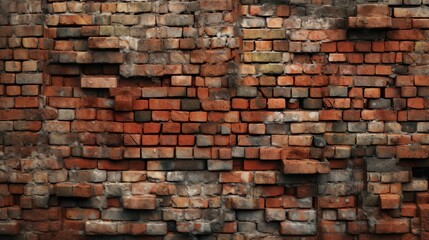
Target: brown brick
<point>215,5</point>
<point>305,166</point>
<point>29,31</point>
<point>99,82</point>
<point>75,19</point>
<point>103,42</point>
<point>139,202</point>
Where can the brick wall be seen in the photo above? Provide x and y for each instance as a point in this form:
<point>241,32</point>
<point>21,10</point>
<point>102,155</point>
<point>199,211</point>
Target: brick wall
<point>214,119</point>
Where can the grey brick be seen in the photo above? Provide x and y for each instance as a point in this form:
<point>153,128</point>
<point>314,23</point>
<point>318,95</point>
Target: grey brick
<point>247,91</point>
<point>380,103</point>
<point>143,116</point>
<point>66,114</point>
<point>68,32</point>
<point>29,78</point>
<point>205,140</point>
<point>282,92</point>
<point>251,215</point>
<point>338,91</point>
<point>119,214</point>
<point>176,20</point>
<point>190,104</point>
<point>312,103</point>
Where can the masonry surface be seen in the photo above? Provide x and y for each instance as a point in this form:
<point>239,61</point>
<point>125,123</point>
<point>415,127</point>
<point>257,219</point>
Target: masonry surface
<point>214,119</point>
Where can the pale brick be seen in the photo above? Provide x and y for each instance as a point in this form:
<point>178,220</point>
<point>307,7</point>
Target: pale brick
<point>99,82</point>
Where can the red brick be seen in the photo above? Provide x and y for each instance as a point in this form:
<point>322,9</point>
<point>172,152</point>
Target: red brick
<point>373,10</point>
<point>366,70</point>
<point>27,102</point>
<point>329,47</point>
<point>401,23</point>
<point>164,104</point>
<point>82,214</point>
<point>330,115</point>
<point>123,103</point>
<point>370,22</point>
<point>278,103</point>
<point>9,228</point>
<point>215,105</point>
<point>345,46</point>
<point>392,226</point>
<point>363,46</point>
<point>235,177</point>
<point>355,58</point>
<point>213,70</point>
<point>305,166</point>
<point>390,201</point>
<point>413,34</point>
<point>283,10</point>
<point>372,92</point>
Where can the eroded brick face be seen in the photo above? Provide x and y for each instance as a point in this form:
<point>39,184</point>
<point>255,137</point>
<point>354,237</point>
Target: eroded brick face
<point>214,119</point>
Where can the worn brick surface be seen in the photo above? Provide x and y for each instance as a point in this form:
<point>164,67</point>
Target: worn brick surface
<point>214,119</point>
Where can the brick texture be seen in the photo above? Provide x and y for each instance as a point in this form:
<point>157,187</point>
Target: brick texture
<point>214,119</point>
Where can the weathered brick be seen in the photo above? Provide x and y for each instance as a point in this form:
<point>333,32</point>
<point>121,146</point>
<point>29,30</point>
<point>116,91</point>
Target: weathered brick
<point>301,215</point>
<point>29,31</point>
<point>247,203</point>
<point>297,228</point>
<point>336,202</point>
<point>215,5</point>
<point>156,228</point>
<point>212,94</point>
<point>392,226</point>
<point>175,20</point>
<point>99,82</point>
<point>181,80</point>
<point>103,42</point>
<point>275,214</point>
<point>82,214</point>
<point>419,12</point>
<point>263,34</point>
<point>390,201</point>
<point>101,227</point>
<point>29,78</point>
<point>415,185</point>
<point>108,57</point>
<point>10,227</point>
<point>370,22</point>
<point>139,202</point>
<point>305,167</point>
<point>75,20</point>
<point>373,10</point>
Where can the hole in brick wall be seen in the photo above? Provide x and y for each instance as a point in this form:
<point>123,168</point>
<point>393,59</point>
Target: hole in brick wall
<point>418,183</point>
<point>414,163</point>
<point>367,34</point>
<point>98,69</point>
<point>420,172</point>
